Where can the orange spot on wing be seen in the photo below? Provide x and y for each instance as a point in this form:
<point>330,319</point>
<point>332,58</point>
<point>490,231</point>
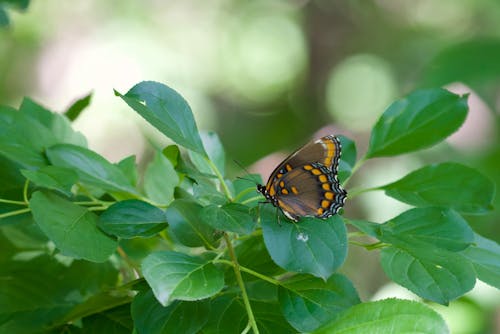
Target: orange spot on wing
<point>284,191</point>
<point>329,195</point>
<point>325,204</point>
<point>326,186</point>
<point>294,190</point>
<point>316,171</point>
<point>308,167</point>
<point>323,178</point>
<point>320,211</point>
<point>288,167</point>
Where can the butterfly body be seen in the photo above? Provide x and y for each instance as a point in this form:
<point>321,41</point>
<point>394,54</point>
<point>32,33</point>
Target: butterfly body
<point>305,183</point>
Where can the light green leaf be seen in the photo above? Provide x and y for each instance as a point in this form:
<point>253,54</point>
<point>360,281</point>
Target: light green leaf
<point>160,180</point>
<point>78,106</point>
<point>72,228</point>
<point>166,110</point>
<point>421,119</point>
<point>446,184</point>
<point>485,257</point>
<point>390,316</point>
<point>52,177</point>
<point>178,276</point>
<point>129,169</point>
<point>231,217</point>
<point>215,151</point>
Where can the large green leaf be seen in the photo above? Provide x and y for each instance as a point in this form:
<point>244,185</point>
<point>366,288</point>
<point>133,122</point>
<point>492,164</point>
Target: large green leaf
<point>431,273</point>
<point>174,275</point>
<point>252,253</point>
<point>309,302</point>
<point>150,317</point>
<point>420,120</point>
<point>231,217</point>
<point>132,218</point>
<point>485,257</point>
<point>390,316</point>
<point>347,157</point>
<point>446,184</point>
<point>72,228</point>
<point>92,168</point>
<point>114,321</point>
<point>313,246</point>
<point>166,110</point>
<point>441,228</point>
<point>56,123</point>
<point>129,169</point>
<point>160,179</point>
<point>186,226</point>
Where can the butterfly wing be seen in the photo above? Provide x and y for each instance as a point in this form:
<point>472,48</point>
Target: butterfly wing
<point>325,151</point>
<point>312,192</point>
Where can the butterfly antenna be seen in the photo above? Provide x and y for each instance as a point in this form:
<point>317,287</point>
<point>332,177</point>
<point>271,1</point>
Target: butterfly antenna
<point>246,171</point>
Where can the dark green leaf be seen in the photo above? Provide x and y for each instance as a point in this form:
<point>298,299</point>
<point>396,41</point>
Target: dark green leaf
<point>24,147</point>
<point>309,302</point>
<point>231,217</point>
<point>174,275</point>
<point>252,253</point>
<point>132,218</point>
<point>114,321</point>
<point>78,106</point>
<point>166,110</point>
<point>441,228</point>
<point>52,177</point>
<point>4,18</point>
<point>160,179</point>
<point>431,273</point>
<point>56,123</point>
<point>313,246</point>
<point>25,235</point>
<point>390,316</point>
<point>129,169</point>
<point>185,225</point>
<point>205,191</point>
<point>92,168</point>
<point>447,184</point>
<point>246,191</point>
<point>485,257</point>
<point>420,120</point>
<point>172,153</point>
<point>72,228</point>
<point>150,317</point>
<point>215,151</point>
<point>347,157</point>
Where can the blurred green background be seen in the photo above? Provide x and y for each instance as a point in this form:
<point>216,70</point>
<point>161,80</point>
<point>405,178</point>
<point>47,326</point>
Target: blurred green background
<point>268,76</point>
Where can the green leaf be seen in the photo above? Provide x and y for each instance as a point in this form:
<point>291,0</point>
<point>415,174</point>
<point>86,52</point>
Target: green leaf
<point>215,151</point>
<point>72,228</point>
<point>231,217</point>
<point>179,317</point>
<point>174,275</point>
<point>421,119</point>
<point>56,123</point>
<point>390,316</point>
<point>114,321</point>
<point>441,228</point>
<point>446,184</point>
<point>129,169</point>
<point>78,106</point>
<point>132,218</point>
<point>166,110</point>
<point>369,228</point>
<point>185,225</point>
<point>246,191</point>
<point>228,316</point>
<point>52,177</point>
<point>172,153</point>
<point>347,157</point>
<point>313,246</point>
<point>309,302</point>
<point>485,257</point>
<point>23,147</point>
<point>91,168</point>
<point>431,273</point>
<point>160,180</point>
<point>252,253</point>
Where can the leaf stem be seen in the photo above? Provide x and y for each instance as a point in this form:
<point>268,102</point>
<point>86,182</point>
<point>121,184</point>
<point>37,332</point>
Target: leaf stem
<point>357,165</point>
<point>237,272</point>
<point>220,177</point>
<point>373,246</point>
<point>14,213</point>
<point>25,191</point>
<point>357,191</point>
<point>251,272</point>
<point>252,199</point>
<point>8,201</point>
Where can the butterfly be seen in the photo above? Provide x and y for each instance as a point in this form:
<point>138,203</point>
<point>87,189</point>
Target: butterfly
<point>305,183</point>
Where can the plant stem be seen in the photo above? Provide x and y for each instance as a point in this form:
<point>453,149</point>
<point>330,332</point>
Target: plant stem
<point>14,213</point>
<point>251,272</point>
<point>25,191</point>
<point>8,201</point>
<point>252,199</point>
<point>357,191</point>
<point>220,177</point>
<point>237,272</point>
<point>357,165</point>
